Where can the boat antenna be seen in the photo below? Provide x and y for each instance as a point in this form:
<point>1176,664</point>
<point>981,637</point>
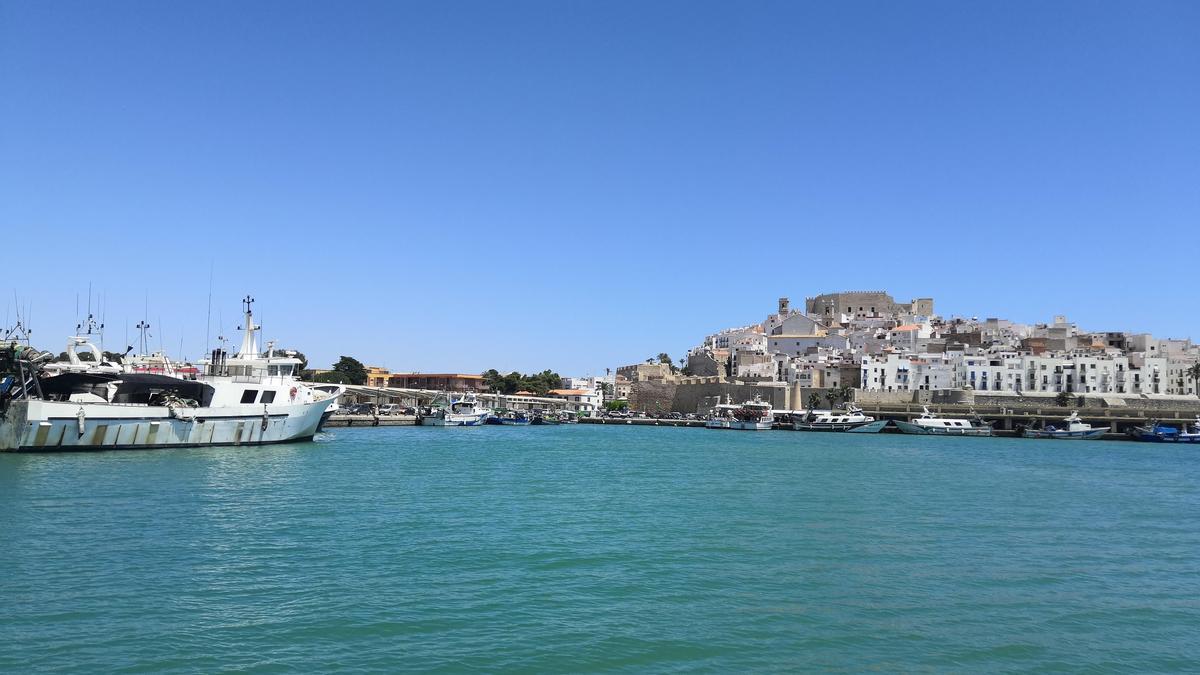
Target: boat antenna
<point>208,321</point>
<point>102,308</point>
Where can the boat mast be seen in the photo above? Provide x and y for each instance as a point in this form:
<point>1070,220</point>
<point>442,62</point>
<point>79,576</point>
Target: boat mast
<point>250,338</point>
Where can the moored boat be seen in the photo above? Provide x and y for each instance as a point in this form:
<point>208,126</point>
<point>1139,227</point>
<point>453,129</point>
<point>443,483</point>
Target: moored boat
<point>752,416</point>
<point>832,420</point>
<point>103,407</point>
<point>930,424</point>
<point>455,412</point>
<point>1076,429</point>
<point>509,419</point>
<point>1162,433</point>
<point>722,415</point>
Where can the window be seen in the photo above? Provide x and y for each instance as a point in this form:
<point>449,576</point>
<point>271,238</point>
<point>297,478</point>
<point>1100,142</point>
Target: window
<point>249,395</point>
<point>268,396</point>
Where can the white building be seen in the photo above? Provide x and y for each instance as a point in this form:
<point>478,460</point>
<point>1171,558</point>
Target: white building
<point>579,400</point>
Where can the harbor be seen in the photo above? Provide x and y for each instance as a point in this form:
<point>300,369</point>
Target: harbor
<point>383,536</point>
<point>628,338</point>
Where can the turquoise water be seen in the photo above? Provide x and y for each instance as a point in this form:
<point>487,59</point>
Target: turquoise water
<point>604,548</point>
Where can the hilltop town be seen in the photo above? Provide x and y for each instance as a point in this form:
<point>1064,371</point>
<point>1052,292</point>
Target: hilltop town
<point>870,347</point>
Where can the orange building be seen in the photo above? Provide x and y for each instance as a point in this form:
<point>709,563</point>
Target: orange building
<point>377,377</point>
<point>437,381</point>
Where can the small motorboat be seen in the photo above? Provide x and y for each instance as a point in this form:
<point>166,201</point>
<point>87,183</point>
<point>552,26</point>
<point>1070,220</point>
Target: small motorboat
<point>1076,429</point>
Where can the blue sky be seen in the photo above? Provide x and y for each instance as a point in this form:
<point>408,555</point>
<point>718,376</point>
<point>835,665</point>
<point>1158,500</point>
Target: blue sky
<point>576,185</point>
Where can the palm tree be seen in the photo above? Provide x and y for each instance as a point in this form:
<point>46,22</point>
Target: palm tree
<point>1194,373</point>
<point>846,393</point>
<point>832,396</point>
<point>814,401</point>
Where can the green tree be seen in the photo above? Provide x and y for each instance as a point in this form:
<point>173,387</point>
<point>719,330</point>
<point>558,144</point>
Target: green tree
<point>493,380</point>
<point>352,368</point>
<point>814,401</point>
<point>833,396</point>
<point>538,383</point>
<point>331,377</point>
<point>1062,399</point>
<point>846,393</point>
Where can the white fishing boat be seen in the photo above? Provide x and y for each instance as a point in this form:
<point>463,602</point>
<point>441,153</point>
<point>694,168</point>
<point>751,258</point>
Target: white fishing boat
<point>462,411</point>
<point>722,414</point>
<point>931,424</point>
<point>832,420</point>
<point>1076,429</point>
<point>753,415</point>
<point>250,399</point>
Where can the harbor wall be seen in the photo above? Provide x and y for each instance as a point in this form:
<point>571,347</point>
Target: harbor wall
<point>701,397</point>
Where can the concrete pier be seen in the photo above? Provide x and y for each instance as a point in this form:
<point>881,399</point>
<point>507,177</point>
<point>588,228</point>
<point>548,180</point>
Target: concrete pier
<point>370,421</point>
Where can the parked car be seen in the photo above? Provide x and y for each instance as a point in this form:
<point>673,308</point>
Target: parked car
<point>361,409</point>
<point>389,409</point>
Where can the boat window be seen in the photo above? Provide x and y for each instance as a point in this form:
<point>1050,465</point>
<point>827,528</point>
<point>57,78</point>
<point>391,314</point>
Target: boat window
<point>268,396</point>
<point>249,395</point>
<point>285,370</point>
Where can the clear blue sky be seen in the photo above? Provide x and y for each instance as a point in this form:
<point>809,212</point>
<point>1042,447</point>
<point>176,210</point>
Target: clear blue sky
<point>577,185</point>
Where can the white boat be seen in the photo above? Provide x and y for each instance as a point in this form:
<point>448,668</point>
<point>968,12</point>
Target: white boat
<point>752,416</point>
<point>932,425</point>
<point>831,420</point>
<point>1076,429</point>
<point>251,399</point>
<point>722,415</point>
<point>456,412</point>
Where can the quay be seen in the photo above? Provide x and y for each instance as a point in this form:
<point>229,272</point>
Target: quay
<point>370,421</point>
<point>1006,420</point>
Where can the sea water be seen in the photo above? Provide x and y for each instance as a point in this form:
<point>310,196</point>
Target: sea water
<point>587,548</point>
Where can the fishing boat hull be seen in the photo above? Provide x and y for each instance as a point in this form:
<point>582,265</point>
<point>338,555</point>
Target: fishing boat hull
<point>1081,435</point>
<point>743,425</point>
<point>716,424</point>
<point>455,420</point>
<point>1163,435</point>
<point>918,430</point>
<point>37,425</point>
<point>829,426</point>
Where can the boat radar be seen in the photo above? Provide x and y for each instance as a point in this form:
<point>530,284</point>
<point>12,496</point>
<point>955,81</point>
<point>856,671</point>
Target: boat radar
<point>250,338</point>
